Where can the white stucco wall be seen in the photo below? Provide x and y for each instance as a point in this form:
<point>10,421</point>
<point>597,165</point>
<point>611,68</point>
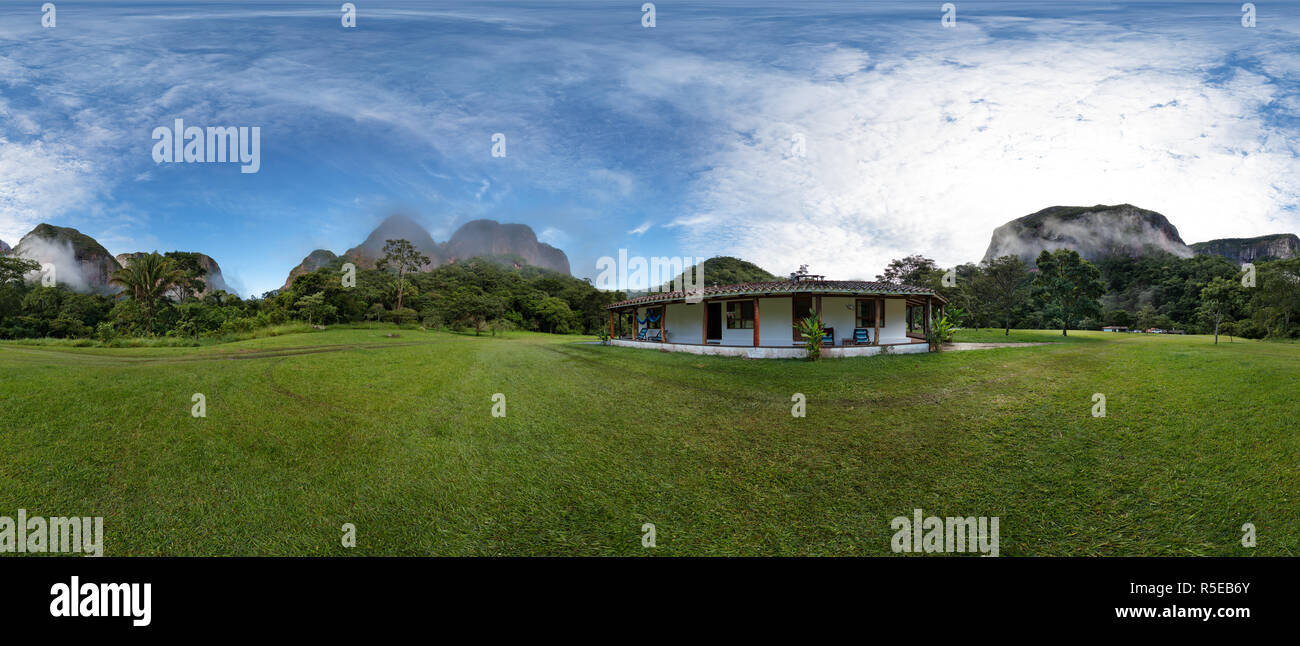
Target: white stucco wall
<point>685,323</point>
<point>837,312</point>
<point>775,322</point>
<point>895,330</point>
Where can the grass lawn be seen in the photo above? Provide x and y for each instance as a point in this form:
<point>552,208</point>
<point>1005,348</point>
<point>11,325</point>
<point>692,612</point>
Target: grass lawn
<point>306,432</point>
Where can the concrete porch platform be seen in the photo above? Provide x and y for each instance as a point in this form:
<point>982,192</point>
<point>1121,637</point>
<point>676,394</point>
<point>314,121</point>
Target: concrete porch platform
<point>773,352</point>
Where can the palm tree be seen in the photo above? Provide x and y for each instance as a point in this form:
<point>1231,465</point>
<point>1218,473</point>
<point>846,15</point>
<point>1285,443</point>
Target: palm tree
<point>147,278</point>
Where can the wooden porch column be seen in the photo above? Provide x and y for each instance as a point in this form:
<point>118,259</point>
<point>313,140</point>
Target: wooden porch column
<point>819,310</point>
<point>880,311</point>
<point>927,317</point>
<point>663,325</point>
<point>755,322</point>
<point>704,334</point>
<point>611,324</point>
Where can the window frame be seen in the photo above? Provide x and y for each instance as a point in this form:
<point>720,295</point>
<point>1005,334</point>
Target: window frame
<point>877,307</point>
<point>737,315</point>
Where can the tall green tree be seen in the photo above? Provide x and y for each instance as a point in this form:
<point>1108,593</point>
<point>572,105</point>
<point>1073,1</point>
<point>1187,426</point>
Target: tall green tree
<point>314,308</point>
<point>1000,286</point>
<point>404,258</point>
<point>147,279</point>
<point>1221,299</point>
<point>1277,297</point>
<point>1068,286</point>
<point>960,293</point>
<point>13,268</point>
<point>915,270</point>
<point>555,315</point>
<point>194,279</point>
<point>467,304</point>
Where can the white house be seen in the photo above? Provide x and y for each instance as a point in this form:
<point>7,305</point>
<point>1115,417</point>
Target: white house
<point>757,319</point>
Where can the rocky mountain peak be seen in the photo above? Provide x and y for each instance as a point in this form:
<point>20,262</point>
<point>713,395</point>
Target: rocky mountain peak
<point>492,238</point>
<point>314,260</point>
<point>477,238</point>
<point>1279,246</point>
<point>1094,231</point>
<point>79,261</point>
<point>396,227</point>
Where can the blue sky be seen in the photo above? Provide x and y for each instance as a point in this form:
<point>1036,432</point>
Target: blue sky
<point>675,140</point>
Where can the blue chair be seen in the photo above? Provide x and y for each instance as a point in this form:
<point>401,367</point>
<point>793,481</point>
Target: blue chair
<point>655,336</point>
<point>861,336</point>
<point>640,336</point>
<point>829,339</point>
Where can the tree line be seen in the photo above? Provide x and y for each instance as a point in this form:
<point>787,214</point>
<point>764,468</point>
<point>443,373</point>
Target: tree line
<point>164,295</point>
<point>1061,290</point>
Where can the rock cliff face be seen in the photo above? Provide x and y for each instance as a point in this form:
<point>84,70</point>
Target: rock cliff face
<point>491,238</point>
<point>396,227</point>
<point>1094,231</point>
<point>1280,246</point>
<point>4,248</point>
<point>214,279</point>
<point>79,261</point>
<point>487,238</point>
<point>314,260</point>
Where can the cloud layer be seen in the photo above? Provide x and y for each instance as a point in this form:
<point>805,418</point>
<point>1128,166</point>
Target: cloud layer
<point>834,134</point>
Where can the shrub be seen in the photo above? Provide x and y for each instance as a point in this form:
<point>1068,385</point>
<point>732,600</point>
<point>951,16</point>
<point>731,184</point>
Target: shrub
<point>404,316</point>
<point>431,319</point>
<point>66,327</point>
<point>813,332</point>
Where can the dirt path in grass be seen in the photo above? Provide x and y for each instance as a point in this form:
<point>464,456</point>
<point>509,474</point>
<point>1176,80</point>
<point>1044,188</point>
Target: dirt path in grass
<point>986,346</point>
<point>219,355</point>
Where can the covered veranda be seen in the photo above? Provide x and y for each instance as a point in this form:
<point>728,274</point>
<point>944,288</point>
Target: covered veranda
<point>758,319</point>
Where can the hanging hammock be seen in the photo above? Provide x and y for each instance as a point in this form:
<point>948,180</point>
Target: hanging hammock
<point>650,316</point>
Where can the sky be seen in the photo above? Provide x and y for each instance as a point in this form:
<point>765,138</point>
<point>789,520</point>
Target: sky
<point>833,134</point>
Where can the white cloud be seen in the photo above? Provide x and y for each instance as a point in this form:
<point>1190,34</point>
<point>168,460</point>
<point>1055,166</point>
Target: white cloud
<point>611,184</point>
<point>554,237</point>
<point>924,143</point>
<point>933,148</point>
<point>38,180</point>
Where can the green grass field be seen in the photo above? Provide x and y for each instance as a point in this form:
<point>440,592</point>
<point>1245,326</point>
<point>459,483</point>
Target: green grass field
<point>306,432</point>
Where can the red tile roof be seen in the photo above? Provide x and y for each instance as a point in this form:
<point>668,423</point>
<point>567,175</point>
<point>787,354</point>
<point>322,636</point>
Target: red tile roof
<point>787,287</point>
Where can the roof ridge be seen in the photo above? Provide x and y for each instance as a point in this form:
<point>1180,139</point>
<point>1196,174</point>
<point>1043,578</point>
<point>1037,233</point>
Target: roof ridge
<point>786,286</point>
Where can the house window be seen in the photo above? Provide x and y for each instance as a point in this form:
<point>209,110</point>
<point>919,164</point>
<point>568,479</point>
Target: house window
<point>866,314</point>
<point>740,315</point>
